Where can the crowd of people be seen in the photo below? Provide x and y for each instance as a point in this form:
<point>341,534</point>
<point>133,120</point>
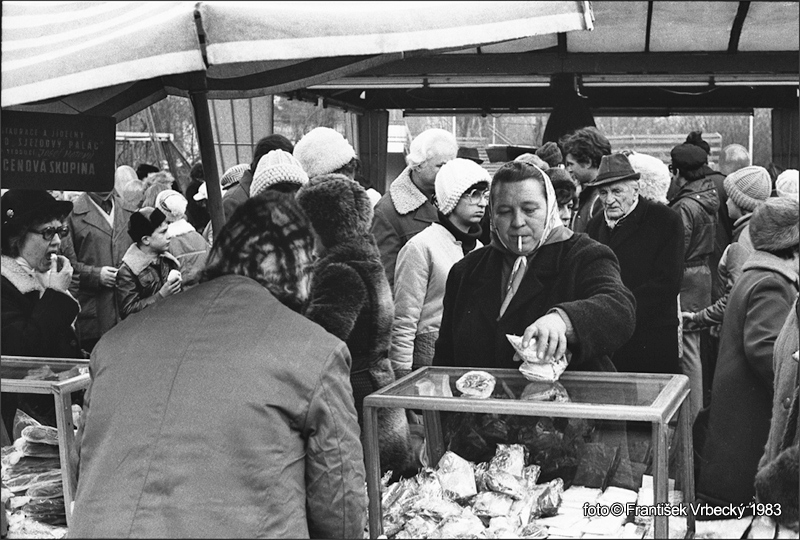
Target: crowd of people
<point>229,368</point>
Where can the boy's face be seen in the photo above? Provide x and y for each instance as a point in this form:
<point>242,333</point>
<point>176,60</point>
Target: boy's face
<point>159,240</point>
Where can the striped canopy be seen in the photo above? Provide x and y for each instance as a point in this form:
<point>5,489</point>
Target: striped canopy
<point>115,58</point>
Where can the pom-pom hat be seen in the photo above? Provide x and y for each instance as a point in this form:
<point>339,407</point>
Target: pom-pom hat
<point>322,151</point>
<point>748,187</point>
<point>774,225</point>
<point>276,167</point>
<point>454,179</point>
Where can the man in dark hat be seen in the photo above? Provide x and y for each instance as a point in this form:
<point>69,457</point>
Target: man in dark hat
<point>697,203</point>
<point>646,237</point>
<point>467,152</point>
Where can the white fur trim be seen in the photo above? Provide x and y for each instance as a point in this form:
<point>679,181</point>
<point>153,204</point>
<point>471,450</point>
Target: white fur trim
<point>179,227</point>
<point>406,197</point>
<point>19,278</point>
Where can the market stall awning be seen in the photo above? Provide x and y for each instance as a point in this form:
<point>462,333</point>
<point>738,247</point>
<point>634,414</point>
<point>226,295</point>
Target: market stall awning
<point>109,57</point>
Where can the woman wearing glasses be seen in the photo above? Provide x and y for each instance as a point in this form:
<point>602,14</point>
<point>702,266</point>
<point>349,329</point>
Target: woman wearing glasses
<point>462,194</point>
<point>38,311</point>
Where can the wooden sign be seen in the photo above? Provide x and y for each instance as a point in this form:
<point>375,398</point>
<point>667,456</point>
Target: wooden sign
<point>56,151</point>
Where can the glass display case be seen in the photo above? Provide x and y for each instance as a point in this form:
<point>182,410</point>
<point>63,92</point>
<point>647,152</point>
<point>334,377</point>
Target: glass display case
<point>657,400</point>
<point>59,377</point>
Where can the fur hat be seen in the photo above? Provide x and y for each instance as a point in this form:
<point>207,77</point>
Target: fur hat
<point>267,239</point>
<point>786,185</point>
<point>276,167</point>
<point>144,223</point>
<point>172,204</point>
<point>774,225</point>
<point>748,187</point>
<point>338,208</point>
<point>232,175</point>
<point>454,178</point>
<point>654,177</point>
<point>322,151</point>
<point>688,157</point>
<point>550,153</point>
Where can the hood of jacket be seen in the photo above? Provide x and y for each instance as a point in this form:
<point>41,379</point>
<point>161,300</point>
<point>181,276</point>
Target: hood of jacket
<point>703,191</point>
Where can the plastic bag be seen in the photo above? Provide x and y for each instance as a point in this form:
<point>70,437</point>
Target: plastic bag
<point>476,384</point>
<point>545,391</point>
<point>491,504</point>
<point>534,369</point>
<point>502,482</point>
<point>466,525</point>
<point>548,499</point>
<point>41,435</point>
<point>456,477</point>
<point>21,421</point>
<point>510,458</point>
<point>531,474</point>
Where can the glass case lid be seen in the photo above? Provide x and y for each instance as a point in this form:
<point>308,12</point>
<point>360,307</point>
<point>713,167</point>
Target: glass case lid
<point>35,369</point>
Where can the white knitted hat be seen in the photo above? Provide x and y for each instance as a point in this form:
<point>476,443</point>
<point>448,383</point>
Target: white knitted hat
<point>786,185</point>
<point>233,174</point>
<point>172,204</point>
<point>274,167</point>
<point>323,150</point>
<point>748,187</point>
<point>454,178</point>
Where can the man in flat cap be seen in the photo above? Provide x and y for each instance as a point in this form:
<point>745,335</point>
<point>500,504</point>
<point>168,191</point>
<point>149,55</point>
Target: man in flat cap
<point>697,203</point>
<point>647,238</point>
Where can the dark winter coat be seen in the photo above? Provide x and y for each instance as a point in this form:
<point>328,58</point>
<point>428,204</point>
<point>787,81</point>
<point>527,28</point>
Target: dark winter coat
<point>193,430</point>
<point>741,395</point>
<point>723,232</point>
<point>589,205</point>
<point>648,245</point>
<point>579,275</point>
<point>350,298</point>
<point>90,245</point>
<point>140,278</point>
<point>697,203</point>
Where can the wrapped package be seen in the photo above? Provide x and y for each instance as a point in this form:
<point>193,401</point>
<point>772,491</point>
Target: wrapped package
<point>492,504</point>
<point>27,464</point>
<point>35,449</point>
<point>41,435</point>
<point>50,511</point>
<point>503,527</point>
<point>502,482</point>
<point>534,369</point>
<point>456,477</point>
<point>548,499</point>
<point>521,509</point>
<point>417,527</point>
<point>476,384</point>
<point>437,509</point>
<point>531,474</point>
<point>46,490</point>
<point>509,458</point>
<point>545,391</point>
<point>466,525</point>
<point>479,472</point>
<point>532,531</point>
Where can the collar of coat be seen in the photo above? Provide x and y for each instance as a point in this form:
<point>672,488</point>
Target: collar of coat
<point>767,261</point>
<point>83,205</point>
<point>22,280</point>
<point>406,197</point>
<point>137,260</point>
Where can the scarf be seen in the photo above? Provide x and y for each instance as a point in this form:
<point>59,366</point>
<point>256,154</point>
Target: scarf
<point>468,239</point>
<point>553,232</point>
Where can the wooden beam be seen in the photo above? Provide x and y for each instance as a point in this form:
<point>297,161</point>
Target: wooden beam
<point>736,28</point>
<point>649,27</point>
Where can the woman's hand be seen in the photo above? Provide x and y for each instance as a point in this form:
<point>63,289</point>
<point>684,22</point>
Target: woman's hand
<point>550,332</point>
<point>59,279</point>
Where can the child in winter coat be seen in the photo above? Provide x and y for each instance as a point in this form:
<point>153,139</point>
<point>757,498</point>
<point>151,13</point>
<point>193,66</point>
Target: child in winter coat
<point>148,272</point>
<point>186,244</point>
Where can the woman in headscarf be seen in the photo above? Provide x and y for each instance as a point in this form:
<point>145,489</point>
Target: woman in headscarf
<point>536,279</point>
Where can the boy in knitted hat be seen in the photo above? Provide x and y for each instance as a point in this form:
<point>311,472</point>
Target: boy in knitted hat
<point>148,272</point>
<point>462,195</point>
<point>324,151</point>
<point>186,244</point>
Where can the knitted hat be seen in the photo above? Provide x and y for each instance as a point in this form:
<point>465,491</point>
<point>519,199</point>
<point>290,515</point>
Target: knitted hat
<point>654,177</point>
<point>338,208</point>
<point>144,222</point>
<point>688,157</point>
<point>454,178</point>
<point>774,225</point>
<point>277,166</point>
<point>232,175</point>
<point>172,204</point>
<point>267,239</point>
<point>786,185</point>
<point>323,150</point>
<point>748,186</point>
<point>550,153</point>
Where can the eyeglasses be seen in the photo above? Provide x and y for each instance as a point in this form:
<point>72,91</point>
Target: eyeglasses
<point>49,232</point>
<point>477,195</point>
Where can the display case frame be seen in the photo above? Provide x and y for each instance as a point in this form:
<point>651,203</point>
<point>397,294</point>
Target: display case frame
<point>669,401</point>
<point>11,366</point>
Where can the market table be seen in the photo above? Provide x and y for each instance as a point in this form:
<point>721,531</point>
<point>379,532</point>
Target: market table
<point>653,398</point>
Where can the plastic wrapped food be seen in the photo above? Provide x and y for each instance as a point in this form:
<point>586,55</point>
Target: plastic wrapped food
<point>479,472</point>
<point>41,435</point>
<point>503,482</point>
<point>509,458</point>
<point>502,527</point>
<point>476,384</point>
<point>534,369</point>
<point>491,504</point>
<point>531,474</point>
<point>532,531</point>
<point>437,509</point>
<point>50,511</point>
<point>46,490</point>
<point>466,525</point>
<point>545,391</point>
<point>548,499</point>
<point>456,477</point>
<point>36,449</point>
<point>417,527</point>
<point>27,464</point>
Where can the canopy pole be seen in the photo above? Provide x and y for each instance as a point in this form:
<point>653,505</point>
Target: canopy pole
<point>208,156</point>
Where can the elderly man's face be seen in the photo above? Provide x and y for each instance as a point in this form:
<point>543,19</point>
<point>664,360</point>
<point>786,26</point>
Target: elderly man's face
<point>425,173</point>
<point>617,198</point>
<point>519,210</point>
